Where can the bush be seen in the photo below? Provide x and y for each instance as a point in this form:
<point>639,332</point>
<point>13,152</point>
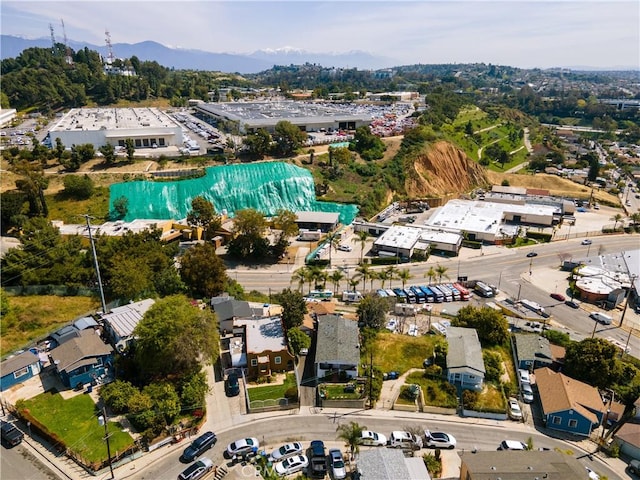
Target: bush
<point>116,395</point>
<point>78,187</point>
<point>433,371</point>
<point>291,394</point>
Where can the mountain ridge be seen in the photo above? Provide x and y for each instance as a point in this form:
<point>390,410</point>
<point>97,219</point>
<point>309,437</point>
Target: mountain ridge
<point>194,59</point>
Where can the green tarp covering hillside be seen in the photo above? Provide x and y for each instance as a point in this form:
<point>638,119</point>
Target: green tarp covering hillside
<point>266,187</point>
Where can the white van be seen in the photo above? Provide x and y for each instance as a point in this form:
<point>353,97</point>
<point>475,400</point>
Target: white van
<point>407,440</point>
<point>603,318</point>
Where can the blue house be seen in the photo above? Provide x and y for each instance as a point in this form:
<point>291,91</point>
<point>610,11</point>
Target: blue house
<point>83,359</point>
<point>568,404</point>
<point>19,368</point>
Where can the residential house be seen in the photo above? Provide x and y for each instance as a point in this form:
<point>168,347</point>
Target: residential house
<point>521,465</point>
<point>82,360</point>
<point>568,404</point>
<point>389,464</point>
<point>558,353</point>
<point>533,351</point>
<point>628,438</point>
<point>227,309</point>
<point>120,322</point>
<point>265,346</point>
<point>465,366</point>
<point>337,348</point>
<point>315,309</point>
<point>19,368</point>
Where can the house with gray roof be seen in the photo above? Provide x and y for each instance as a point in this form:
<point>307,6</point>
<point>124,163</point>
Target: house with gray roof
<point>465,366</point>
<point>389,464</point>
<point>19,368</point>
<point>533,351</point>
<point>120,322</point>
<point>337,348</point>
<point>83,359</point>
<point>227,309</point>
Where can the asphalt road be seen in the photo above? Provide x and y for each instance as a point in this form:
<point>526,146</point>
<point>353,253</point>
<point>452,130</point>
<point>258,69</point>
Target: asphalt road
<point>18,463</point>
<point>506,268</point>
<point>276,431</point>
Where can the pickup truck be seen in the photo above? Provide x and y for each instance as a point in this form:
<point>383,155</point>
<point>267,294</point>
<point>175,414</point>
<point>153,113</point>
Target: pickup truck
<point>317,459</point>
<point>11,436</point>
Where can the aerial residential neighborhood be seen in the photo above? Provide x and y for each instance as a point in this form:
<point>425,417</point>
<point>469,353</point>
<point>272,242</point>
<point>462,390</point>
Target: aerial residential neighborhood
<point>366,265</point>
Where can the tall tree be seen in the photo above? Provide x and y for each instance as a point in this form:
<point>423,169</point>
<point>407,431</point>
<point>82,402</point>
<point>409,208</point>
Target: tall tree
<point>203,271</point>
<point>351,433</point>
<point>441,270</point>
<point>593,361</point>
<point>293,307</point>
<point>371,311</point>
<point>336,277</point>
<point>404,275</point>
<point>297,340</point>
<point>288,138</point>
<point>32,183</point>
<point>203,215</point>
<point>258,143</point>
<point>173,338</point>
<point>361,237</point>
<point>492,326</point>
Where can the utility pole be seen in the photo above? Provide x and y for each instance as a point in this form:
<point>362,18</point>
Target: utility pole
<point>626,303</point>
<point>95,263</point>
<point>371,378</point>
<point>102,420</point>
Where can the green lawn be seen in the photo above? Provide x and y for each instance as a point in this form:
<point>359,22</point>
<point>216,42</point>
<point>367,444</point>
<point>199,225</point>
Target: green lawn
<point>401,352</point>
<point>490,399</point>
<point>75,421</point>
<point>272,392</point>
<point>336,392</point>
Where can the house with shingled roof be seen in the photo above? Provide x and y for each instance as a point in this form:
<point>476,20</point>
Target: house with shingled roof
<point>533,351</point>
<point>569,405</point>
<point>81,360</point>
<point>465,366</point>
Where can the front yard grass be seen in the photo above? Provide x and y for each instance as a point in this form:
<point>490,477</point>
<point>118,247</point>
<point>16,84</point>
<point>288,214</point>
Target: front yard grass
<point>75,422</point>
<point>490,399</point>
<point>272,392</point>
<point>336,392</point>
<point>401,352</point>
<point>437,391</point>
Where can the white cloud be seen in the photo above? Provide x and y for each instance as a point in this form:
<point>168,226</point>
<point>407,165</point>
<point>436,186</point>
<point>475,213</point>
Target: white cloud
<point>510,32</point>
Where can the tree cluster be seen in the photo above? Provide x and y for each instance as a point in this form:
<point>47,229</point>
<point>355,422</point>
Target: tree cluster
<point>492,326</point>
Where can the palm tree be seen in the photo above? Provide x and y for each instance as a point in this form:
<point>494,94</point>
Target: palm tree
<point>391,273</point>
<point>364,270</point>
<point>362,238</point>
<point>336,277</point>
<point>332,241</point>
<point>354,282</point>
<point>635,218</point>
<point>301,276</point>
<point>441,270</point>
<point>316,275</point>
<point>351,433</point>
<point>616,218</point>
<point>431,274</point>
<point>405,276</point>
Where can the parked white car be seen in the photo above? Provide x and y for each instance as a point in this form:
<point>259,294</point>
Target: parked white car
<point>515,412</point>
<point>287,450</point>
<point>373,439</point>
<point>439,440</point>
<point>292,465</point>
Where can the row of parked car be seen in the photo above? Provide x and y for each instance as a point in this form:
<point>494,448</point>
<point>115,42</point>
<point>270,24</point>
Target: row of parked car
<point>315,461</point>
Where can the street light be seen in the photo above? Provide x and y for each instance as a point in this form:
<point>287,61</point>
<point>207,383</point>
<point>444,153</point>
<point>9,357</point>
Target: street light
<point>102,420</point>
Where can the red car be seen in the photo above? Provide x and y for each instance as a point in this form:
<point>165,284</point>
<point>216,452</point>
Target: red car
<point>557,296</point>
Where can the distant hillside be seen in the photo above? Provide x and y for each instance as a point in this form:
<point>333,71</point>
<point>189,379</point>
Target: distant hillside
<point>183,59</point>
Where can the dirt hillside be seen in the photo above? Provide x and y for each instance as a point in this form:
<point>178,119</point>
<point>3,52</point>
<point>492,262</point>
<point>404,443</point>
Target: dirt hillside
<point>443,169</point>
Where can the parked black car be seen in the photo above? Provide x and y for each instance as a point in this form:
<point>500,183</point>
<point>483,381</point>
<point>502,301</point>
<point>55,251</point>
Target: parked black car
<point>201,444</point>
<point>11,436</point>
<point>231,385</point>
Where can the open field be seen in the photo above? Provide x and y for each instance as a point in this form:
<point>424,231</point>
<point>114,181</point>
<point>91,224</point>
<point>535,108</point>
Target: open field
<point>31,318</point>
<point>397,352</point>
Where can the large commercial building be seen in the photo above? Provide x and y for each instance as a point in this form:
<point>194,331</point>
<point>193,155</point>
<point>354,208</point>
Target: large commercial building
<point>402,241</point>
<point>250,116</point>
<point>492,222</point>
<point>147,127</point>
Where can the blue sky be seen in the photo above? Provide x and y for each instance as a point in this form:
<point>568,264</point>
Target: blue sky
<point>541,33</point>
